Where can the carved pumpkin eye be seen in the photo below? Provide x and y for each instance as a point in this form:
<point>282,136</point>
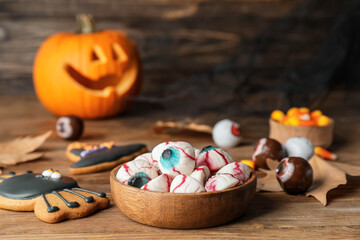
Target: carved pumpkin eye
<point>97,54</point>
<point>118,53</point>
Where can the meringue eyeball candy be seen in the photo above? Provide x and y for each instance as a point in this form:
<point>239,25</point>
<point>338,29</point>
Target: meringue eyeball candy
<point>160,184</point>
<point>221,182</point>
<point>299,147</point>
<point>295,175</point>
<point>139,166</point>
<point>186,184</point>
<point>69,127</point>
<point>226,133</point>
<point>238,170</point>
<point>138,180</point>
<point>201,174</point>
<point>197,152</point>
<point>267,148</point>
<point>174,158</point>
<point>147,158</point>
<point>213,157</point>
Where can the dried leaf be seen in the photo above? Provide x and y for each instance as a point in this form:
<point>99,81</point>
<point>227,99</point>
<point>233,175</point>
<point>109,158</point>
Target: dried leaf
<point>20,149</point>
<point>325,178</point>
<point>347,168</point>
<point>269,182</point>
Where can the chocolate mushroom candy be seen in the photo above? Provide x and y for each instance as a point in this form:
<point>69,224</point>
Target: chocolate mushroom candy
<point>295,175</point>
<point>69,127</point>
<point>267,148</point>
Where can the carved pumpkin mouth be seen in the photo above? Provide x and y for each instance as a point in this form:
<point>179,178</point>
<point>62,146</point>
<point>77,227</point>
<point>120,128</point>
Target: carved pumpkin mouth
<point>94,84</point>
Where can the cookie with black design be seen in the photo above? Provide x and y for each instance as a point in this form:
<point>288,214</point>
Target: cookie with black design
<point>50,195</point>
<point>96,158</point>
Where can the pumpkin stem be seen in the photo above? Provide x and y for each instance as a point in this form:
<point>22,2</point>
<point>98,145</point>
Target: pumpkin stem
<point>85,24</point>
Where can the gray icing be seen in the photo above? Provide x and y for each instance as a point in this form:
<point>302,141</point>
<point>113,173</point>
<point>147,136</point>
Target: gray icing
<point>30,185</point>
<point>107,155</point>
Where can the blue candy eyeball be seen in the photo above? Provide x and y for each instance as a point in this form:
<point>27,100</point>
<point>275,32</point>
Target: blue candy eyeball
<point>207,148</point>
<point>138,179</point>
<point>170,158</point>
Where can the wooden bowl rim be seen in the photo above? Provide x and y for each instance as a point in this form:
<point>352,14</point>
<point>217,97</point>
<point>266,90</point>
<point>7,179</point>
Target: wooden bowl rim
<point>116,181</point>
<point>304,127</point>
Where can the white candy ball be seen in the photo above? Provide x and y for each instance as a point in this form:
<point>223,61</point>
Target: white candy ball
<point>299,147</point>
<point>226,133</point>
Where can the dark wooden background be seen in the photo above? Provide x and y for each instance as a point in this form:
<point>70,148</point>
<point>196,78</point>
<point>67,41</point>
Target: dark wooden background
<point>184,44</point>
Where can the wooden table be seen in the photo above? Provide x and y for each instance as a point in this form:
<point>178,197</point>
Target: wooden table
<point>270,215</point>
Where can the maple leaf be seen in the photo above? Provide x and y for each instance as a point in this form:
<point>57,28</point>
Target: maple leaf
<point>326,176</point>
<point>21,149</point>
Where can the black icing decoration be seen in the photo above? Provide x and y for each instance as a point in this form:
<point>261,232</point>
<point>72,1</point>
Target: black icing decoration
<point>87,199</point>
<point>30,185</point>
<point>69,204</point>
<point>107,155</point>
<point>50,209</point>
<point>100,194</point>
<point>76,151</point>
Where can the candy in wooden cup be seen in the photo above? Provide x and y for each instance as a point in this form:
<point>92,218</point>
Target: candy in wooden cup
<point>182,210</point>
<point>318,135</point>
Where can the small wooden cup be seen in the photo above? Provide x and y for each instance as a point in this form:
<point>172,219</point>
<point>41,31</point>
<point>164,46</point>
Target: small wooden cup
<point>182,210</point>
<point>319,136</point>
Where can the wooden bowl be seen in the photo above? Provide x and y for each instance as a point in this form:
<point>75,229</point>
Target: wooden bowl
<point>182,210</point>
<point>319,136</point>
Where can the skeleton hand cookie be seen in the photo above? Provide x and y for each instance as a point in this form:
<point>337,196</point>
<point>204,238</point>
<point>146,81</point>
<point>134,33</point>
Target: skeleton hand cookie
<point>50,195</point>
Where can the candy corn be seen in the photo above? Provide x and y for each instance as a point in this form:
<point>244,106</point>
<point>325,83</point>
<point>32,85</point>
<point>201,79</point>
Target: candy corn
<point>301,117</point>
<point>277,115</point>
<point>323,153</point>
<point>250,163</point>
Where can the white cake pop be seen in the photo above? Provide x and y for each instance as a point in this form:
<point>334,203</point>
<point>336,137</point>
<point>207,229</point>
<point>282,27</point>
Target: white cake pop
<point>136,166</point>
<point>201,174</point>
<point>221,182</point>
<point>299,147</point>
<point>226,133</point>
<point>159,184</point>
<point>186,184</point>
<point>236,169</point>
<point>197,152</point>
<point>214,158</point>
<point>174,158</point>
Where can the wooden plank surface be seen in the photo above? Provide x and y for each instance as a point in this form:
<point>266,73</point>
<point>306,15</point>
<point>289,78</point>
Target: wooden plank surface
<point>270,215</point>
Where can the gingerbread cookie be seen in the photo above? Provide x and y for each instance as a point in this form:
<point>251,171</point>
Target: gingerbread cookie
<point>105,156</point>
<point>52,197</point>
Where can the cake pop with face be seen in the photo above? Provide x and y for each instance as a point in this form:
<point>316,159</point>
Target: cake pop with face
<point>226,133</point>
<point>267,148</point>
<point>69,127</point>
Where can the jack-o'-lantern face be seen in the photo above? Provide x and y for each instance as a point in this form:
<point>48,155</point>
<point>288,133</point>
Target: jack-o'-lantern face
<point>88,75</point>
<point>104,69</point>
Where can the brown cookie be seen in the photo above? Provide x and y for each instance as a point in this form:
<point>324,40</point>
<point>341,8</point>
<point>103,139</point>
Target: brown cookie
<point>105,156</point>
<point>52,197</point>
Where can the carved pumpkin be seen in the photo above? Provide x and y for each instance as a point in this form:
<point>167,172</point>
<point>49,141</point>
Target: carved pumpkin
<point>88,74</point>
